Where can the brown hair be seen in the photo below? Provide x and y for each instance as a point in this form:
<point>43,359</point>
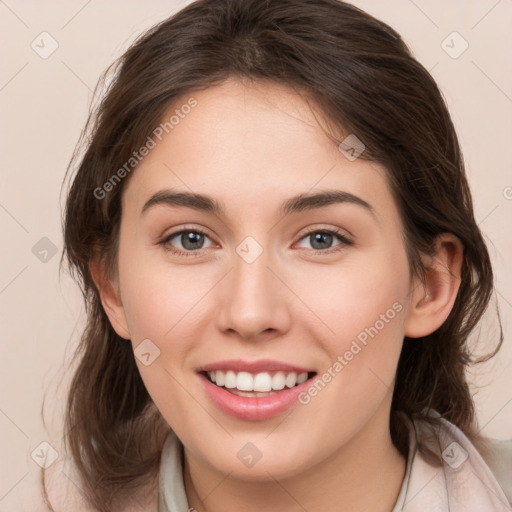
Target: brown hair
<point>366,82</point>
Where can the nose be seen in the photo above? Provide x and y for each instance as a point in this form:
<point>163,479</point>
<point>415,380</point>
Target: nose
<point>253,300</point>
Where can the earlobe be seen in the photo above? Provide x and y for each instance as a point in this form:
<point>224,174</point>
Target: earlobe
<point>110,299</point>
<point>432,300</point>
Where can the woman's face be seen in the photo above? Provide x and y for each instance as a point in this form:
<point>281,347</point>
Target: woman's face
<point>264,285</point>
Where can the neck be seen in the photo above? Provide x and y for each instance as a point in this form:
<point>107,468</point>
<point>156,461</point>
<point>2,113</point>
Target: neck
<point>365,475</point>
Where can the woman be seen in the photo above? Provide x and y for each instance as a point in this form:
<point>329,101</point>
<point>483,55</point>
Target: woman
<point>275,238</point>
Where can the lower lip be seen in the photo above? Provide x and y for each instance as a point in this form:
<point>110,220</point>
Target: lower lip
<point>253,408</point>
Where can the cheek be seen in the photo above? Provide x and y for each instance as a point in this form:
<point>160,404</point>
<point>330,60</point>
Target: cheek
<point>364,309</point>
<point>165,307</point>
<point>160,301</point>
<point>354,295</point>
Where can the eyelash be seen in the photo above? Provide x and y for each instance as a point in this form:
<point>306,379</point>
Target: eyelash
<point>336,233</point>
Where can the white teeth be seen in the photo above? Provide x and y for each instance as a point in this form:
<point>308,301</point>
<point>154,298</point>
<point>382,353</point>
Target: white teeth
<point>244,381</point>
<point>291,380</point>
<point>302,377</point>
<point>219,378</point>
<point>229,379</point>
<point>260,383</point>
<point>278,381</point>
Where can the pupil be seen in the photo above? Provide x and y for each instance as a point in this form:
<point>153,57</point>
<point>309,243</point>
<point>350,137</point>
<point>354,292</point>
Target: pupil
<point>321,238</point>
<point>191,239</point>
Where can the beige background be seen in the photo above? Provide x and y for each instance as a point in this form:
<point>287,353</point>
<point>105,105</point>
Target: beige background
<point>44,104</point>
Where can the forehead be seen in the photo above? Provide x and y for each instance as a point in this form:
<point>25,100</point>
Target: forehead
<point>249,146</point>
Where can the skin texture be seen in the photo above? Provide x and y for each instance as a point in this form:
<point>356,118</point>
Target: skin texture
<point>251,147</point>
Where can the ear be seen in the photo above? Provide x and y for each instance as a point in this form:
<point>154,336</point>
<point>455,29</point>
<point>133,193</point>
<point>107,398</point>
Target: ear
<point>110,298</point>
<point>432,300</point>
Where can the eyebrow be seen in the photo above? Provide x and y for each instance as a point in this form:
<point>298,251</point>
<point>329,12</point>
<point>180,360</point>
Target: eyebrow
<point>295,204</point>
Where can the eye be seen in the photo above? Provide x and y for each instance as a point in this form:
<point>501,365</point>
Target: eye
<point>321,240</point>
<point>190,240</point>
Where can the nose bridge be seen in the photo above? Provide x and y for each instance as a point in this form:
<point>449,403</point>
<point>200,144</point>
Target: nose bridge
<point>251,299</point>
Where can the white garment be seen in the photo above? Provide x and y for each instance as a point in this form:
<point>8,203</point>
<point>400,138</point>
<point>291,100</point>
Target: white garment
<point>463,482</point>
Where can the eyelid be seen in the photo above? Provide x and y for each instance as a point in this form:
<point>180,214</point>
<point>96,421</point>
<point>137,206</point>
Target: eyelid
<point>325,229</point>
<point>181,229</point>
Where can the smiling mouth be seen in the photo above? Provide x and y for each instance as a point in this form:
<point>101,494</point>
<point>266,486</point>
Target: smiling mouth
<point>256,384</point>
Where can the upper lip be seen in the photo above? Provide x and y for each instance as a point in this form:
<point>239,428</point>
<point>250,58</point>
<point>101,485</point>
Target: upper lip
<point>262,365</point>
